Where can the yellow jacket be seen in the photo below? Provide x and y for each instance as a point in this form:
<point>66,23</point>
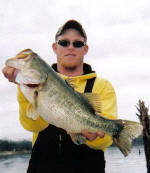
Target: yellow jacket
<point>108,108</point>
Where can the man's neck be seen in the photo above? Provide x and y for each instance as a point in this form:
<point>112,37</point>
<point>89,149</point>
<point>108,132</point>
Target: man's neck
<point>70,72</point>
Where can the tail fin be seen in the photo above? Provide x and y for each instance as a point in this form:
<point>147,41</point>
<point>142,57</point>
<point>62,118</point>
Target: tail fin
<point>130,131</point>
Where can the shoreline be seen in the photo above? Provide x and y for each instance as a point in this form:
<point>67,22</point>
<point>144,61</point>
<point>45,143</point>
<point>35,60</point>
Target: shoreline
<point>13,153</point>
<point>12,148</point>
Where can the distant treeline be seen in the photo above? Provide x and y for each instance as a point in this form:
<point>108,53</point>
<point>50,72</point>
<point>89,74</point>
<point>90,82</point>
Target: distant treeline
<point>136,142</point>
<point>20,146</point>
<point>15,146</point>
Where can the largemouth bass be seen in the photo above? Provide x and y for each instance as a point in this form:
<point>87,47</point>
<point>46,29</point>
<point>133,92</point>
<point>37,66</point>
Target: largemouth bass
<point>59,104</point>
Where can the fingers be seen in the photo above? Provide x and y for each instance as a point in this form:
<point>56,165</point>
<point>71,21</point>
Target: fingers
<point>100,134</point>
<point>10,73</point>
<point>90,136</point>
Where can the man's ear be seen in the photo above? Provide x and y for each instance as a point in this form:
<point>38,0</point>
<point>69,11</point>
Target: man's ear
<point>54,46</point>
<point>86,48</point>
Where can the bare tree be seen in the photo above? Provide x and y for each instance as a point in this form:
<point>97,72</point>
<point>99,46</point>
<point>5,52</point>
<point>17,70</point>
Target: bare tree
<point>145,121</point>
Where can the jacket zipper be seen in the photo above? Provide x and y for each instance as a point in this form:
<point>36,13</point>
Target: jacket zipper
<point>60,143</point>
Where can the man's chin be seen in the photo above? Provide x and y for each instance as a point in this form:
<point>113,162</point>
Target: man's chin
<point>69,66</point>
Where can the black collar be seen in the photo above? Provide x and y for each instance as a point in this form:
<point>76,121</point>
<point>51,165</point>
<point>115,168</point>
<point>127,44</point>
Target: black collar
<point>86,68</point>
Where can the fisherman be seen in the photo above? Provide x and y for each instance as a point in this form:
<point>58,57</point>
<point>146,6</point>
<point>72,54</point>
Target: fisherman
<point>53,149</point>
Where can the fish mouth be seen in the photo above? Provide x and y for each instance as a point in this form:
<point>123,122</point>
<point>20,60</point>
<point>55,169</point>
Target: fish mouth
<point>29,85</point>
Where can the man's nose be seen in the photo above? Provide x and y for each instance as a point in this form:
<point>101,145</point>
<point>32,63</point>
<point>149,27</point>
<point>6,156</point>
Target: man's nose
<point>71,46</point>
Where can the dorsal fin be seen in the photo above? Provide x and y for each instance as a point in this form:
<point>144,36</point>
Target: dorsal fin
<point>94,100</point>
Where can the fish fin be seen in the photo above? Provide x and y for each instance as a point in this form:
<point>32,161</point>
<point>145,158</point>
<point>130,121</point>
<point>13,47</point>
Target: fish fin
<point>94,100</point>
<point>31,112</point>
<point>77,138</point>
<point>70,82</point>
<point>130,131</point>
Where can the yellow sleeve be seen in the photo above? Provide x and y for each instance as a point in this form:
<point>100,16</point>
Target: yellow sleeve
<point>29,124</point>
<point>109,110</point>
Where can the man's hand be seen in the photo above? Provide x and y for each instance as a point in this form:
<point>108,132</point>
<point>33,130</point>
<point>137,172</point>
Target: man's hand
<point>10,73</point>
<point>91,136</point>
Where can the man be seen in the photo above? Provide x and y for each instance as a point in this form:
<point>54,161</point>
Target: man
<point>53,150</point>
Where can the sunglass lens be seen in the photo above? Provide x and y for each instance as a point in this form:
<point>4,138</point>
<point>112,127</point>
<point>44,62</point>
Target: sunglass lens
<point>66,43</point>
<point>63,43</point>
<point>78,44</point>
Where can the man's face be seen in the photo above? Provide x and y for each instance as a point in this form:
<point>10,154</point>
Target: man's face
<point>70,57</point>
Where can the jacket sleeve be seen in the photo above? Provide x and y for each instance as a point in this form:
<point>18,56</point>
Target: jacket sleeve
<point>108,110</point>
<point>29,124</point>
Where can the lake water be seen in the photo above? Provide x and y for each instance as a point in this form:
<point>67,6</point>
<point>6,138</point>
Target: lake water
<point>115,162</point>
<point>134,163</point>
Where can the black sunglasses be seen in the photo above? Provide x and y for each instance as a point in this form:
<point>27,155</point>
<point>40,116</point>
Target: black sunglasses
<point>66,43</point>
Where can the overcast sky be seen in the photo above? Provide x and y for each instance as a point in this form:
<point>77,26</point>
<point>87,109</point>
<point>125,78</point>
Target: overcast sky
<point>118,36</point>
